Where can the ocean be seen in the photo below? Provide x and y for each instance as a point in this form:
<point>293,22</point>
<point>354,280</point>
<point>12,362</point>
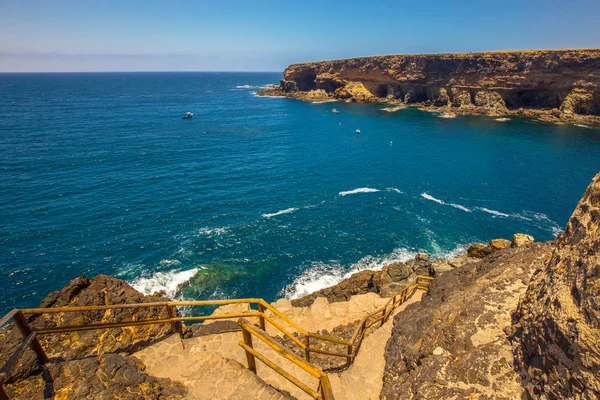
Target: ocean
<point>256,197</point>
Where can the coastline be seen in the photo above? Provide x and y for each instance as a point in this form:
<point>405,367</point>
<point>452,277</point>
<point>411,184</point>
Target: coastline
<point>553,116</point>
<point>557,86</point>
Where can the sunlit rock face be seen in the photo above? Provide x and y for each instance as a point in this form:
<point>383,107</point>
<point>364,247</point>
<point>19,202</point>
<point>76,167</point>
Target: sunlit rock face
<point>557,324</point>
<point>567,81</point>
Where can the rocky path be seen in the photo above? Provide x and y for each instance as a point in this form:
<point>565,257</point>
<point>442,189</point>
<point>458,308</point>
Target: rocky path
<point>214,366</point>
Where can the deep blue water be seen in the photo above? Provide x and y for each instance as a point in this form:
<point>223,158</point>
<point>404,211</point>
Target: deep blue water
<point>99,174</point>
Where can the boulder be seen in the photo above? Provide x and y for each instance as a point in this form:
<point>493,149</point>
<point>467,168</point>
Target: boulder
<point>422,257</point>
<point>498,244</point>
<point>521,239</point>
<point>439,267</point>
<point>478,251</point>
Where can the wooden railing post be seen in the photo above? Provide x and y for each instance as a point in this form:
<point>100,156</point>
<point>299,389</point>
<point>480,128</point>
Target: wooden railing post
<point>349,359</point>
<point>307,351</point>
<point>25,330</point>
<point>171,315</point>
<point>261,318</point>
<point>249,356</point>
<point>326,391</point>
<point>383,313</point>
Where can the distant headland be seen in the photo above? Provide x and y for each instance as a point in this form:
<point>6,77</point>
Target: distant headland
<point>561,86</point>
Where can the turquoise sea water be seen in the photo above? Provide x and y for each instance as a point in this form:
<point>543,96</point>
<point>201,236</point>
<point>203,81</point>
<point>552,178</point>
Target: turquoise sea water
<point>255,196</point>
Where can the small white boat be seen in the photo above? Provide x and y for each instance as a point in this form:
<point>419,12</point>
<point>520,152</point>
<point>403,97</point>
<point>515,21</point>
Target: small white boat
<point>358,131</point>
<point>187,115</point>
<point>335,111</point>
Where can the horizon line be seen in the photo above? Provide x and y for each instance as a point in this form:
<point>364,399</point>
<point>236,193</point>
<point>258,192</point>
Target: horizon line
<point>136,72</point>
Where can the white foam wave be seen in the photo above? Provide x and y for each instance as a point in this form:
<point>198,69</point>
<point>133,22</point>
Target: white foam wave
<point>542,219</point>
<point>582,126</point>
<point>286,211</point>
<point>321,275</point>
<point>502,119</point>
<point>248,87</point>
<point>465,209</point>
<point>430,197</point>
<point>170,262</point>
<point>493,212</point>
<point>206,231</point>
<point>391,189</point>
<point>447,115</point>
<point>359,190</point>
<point>163,281</point>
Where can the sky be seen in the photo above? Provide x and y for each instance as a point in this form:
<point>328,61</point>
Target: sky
<point>222,35</point>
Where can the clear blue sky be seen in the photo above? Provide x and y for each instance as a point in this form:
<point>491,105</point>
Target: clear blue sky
<point>223,35</point>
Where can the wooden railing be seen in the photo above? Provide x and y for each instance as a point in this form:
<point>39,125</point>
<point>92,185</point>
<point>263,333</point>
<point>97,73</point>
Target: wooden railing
<point>323,391</point>
<point>30,334</point>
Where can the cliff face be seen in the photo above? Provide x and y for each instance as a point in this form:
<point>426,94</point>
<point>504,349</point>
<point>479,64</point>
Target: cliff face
<point>524,322</point>
<point>499,83</point>
<point>557,323</point>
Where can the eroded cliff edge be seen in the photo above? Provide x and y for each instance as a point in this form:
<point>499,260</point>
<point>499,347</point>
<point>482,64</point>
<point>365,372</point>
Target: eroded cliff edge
<point>553,85</point>
<point>521,323</point>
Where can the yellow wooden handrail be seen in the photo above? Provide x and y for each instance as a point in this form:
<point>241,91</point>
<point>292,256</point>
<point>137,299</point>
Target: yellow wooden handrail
<point>30,334</point>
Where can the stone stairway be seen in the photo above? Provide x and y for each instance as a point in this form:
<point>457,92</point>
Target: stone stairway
<point>213,366</point>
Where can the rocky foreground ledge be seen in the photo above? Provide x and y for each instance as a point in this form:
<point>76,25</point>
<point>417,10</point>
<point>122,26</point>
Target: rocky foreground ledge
<point>510,319</point>
<point>561,86</point>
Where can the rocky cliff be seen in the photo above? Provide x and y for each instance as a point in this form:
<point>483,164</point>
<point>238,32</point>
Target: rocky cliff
<point>90,364</point>
<point>556,85</point>
<point>557,324</point>
<point>521,323</point>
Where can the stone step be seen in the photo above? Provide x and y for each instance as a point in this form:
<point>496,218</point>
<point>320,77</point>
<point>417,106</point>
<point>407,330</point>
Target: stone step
<point>205,374</point>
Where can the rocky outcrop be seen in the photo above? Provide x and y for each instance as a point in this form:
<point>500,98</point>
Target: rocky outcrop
<point>72,365</point>
<point>555,85</point>
<point>392,278</point>
<point>523,322</point>
<point>109,376</point>
<point>387,282</point>
<point>452,344</point>
<point>557,324</point>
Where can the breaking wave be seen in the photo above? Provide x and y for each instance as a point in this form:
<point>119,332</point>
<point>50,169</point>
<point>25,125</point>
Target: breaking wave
<point>286,211</point>
<point>163,281</point>
<point>359,190</point>
<point>493,212</point>
<point>393,109</point>
<point>321,275</point>
<point>212,231</point>
<point>458,206</point>
<point>391,189</point>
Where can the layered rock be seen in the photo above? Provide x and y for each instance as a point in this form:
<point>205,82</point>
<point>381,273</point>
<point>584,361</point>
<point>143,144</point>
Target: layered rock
<point>557,85</point>
<point>73,367</point>
<point>557,323</point>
